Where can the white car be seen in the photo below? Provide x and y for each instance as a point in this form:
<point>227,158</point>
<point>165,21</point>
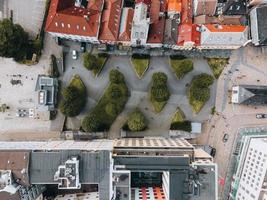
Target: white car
<point>74,55</point>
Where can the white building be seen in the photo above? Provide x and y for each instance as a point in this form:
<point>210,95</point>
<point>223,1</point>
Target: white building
<point>215,36</point>
<point>140,25</point>
<point>251,170</point>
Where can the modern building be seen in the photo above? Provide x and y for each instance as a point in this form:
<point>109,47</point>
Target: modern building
<point>126,169</point>
<point>250,177</point>
<point>47,89</point>
<point>258,23</point>
<point>249,95</point>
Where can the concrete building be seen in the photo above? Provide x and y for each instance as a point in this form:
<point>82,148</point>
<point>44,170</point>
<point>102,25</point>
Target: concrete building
<point>250,178</point>
<point>47,89</point>
<point>154,168</point>
<point>258,26</point>
<point>140,24</point>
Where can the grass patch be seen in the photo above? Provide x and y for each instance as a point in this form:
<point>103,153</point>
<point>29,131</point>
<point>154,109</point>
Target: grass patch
<point>199,91</point>
<point>178,116</point>
<point>109,106</point>
<point>77,82</point>
<point>140,66</point>
<point>158,106</point>
<point>181,66</point>
<point>217,65</point>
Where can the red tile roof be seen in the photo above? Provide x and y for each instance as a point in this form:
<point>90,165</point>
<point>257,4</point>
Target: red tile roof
<point>125,31</point>
<point>110,24</point>
<point>188,33</point>
<point>156,32</point>
<point>225,28</point>
<point>64,17</point>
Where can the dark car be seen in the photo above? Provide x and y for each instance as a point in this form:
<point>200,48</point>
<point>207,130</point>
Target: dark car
<point>83,47</point>
<point>260,116</point>
<point>225,137</point>
<point>213,152</point>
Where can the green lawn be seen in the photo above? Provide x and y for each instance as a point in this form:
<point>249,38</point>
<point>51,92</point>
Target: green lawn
<point>77,82</point>
<point>140,66</point>
<point>181,66</point>
<point>217,65</point>
<point>178,116</point>
<point>197,105</point>
<point>158,106</point>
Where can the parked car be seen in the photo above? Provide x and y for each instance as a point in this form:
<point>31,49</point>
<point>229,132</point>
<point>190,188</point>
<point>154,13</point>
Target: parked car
<point>225,137</point>
<point>260,116</point>
<point>83,47</point>
<point>74,55</point>
<point>213,152</point>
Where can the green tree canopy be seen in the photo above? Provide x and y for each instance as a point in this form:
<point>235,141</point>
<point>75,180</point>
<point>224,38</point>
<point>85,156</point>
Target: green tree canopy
<point>14,41</point>
<point>137,121</point>
<point>159,78</point>
<point>73,101</point>
<point>115,76</point>
<point>91,123</point>
<point>160,93</point>
<point>89,61</point>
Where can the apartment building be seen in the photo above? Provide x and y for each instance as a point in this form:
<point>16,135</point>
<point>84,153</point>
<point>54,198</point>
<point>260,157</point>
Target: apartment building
<point>250,179</point>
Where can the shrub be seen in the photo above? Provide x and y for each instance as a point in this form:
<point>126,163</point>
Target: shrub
<point>74,98</point>
<point>199,92</point>
<point>115,76</point>
<point>183,126</point>
<point>73,102</point>
<point>91,123</point>
<point>159,78</point>
<point>137,121</point>
<point>159,92</point>
<point>54,67</point>
<point>110,104</point>
<point>89,61</point>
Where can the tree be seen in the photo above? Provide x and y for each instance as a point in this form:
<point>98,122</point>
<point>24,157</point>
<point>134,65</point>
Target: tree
<point>203,80</point>
<point>114,92</point>
<point>91,123</point>
<point>160,93</point>
<point>73,102</point>
<point>137,121</point>
<point>14,41</point>
<point>159,78</point>
<point>89,61</point>
<point>115,76</point>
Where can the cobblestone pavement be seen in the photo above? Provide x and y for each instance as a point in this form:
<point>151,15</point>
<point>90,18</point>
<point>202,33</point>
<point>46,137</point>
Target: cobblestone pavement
<point>246,66</point>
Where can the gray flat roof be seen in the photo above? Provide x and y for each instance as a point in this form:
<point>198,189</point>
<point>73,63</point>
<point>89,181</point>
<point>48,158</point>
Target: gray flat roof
<point>94,168</point>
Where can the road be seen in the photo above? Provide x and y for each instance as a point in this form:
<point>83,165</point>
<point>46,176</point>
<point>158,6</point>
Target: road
<point>246,66</point>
